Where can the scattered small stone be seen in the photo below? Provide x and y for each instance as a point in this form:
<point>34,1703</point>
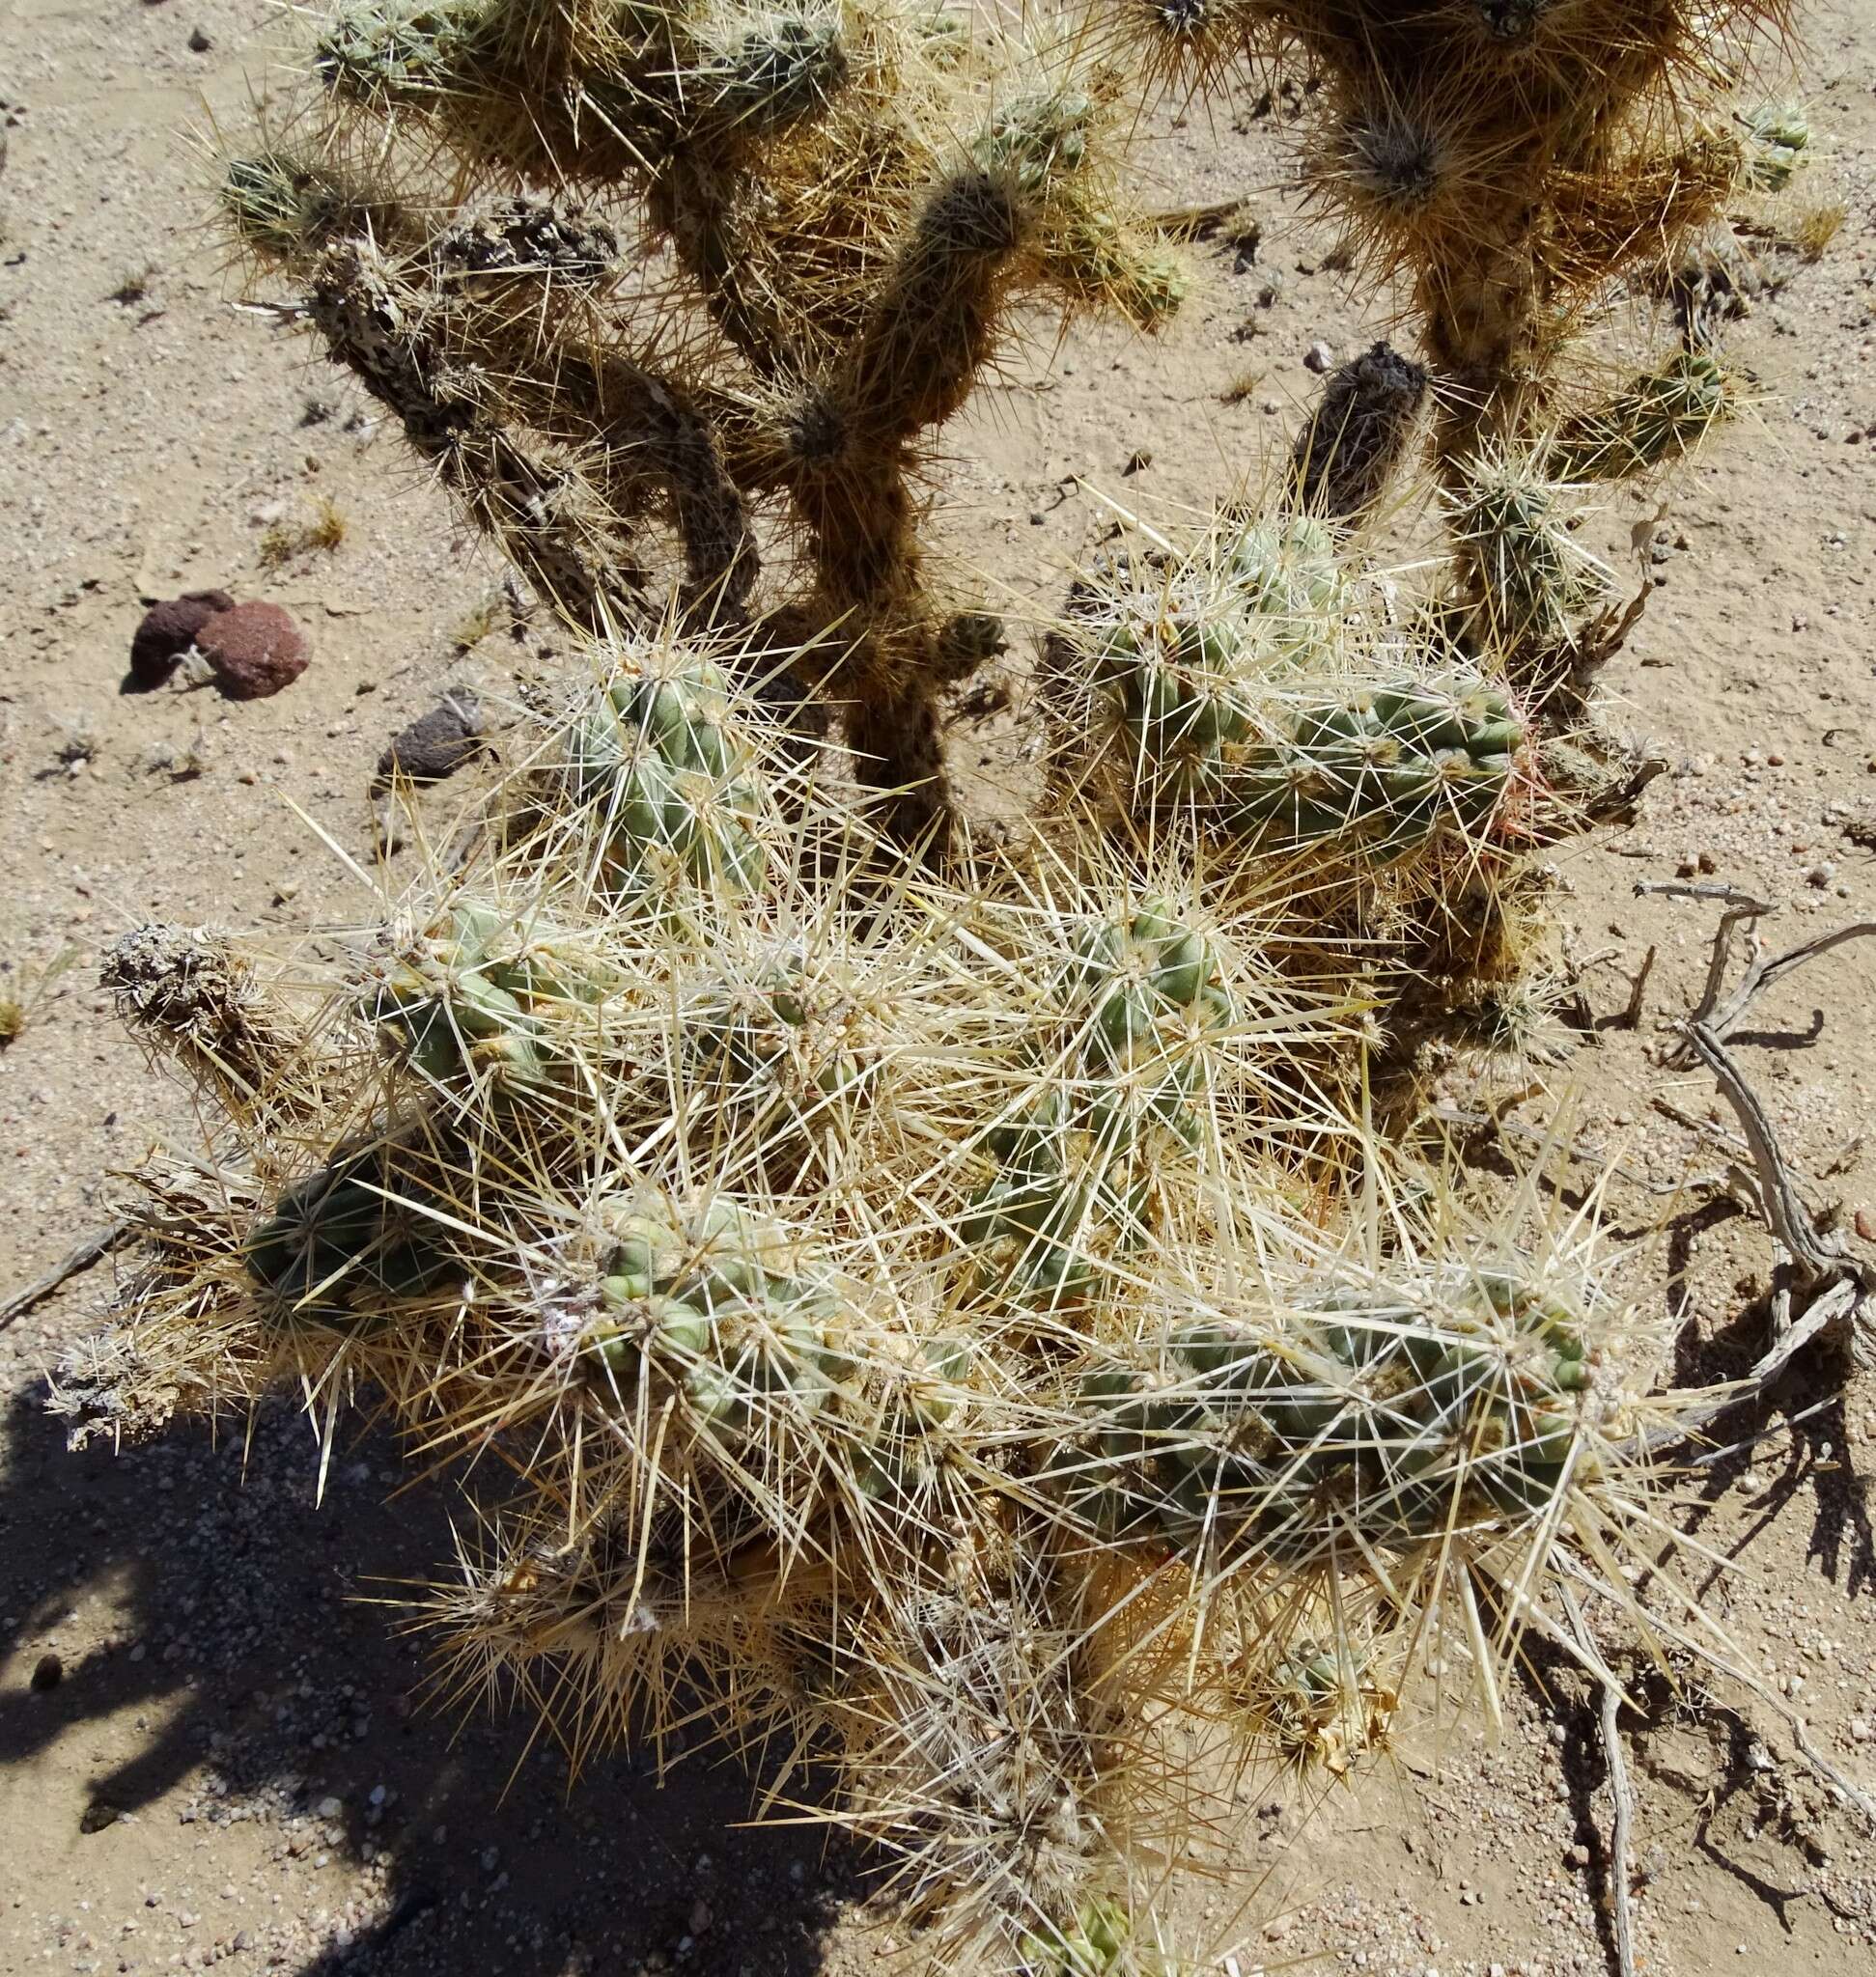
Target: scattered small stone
<point>435,745</point>
<point>48,1671</point>
<point>253,650</point>
<point>168,629</point>
<point>1319,358</point>
<point>1138,461</point>
<point>96,1816</point>
<point>1865,1228</point>
<point>199,42</point>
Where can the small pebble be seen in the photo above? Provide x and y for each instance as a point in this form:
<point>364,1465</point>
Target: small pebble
<point>435,745</point>
<point>1319,358</point>
<point>48,1671</point>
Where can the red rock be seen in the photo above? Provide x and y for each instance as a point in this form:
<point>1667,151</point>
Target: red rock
<point>167,631</point>
<point>254,650</point>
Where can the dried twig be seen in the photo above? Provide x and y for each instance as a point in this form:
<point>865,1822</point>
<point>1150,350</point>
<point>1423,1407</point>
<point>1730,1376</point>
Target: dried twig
<point>1630,1016</point>
<point>1837,1284</point>
<point>1815,1256</point>
<point>100,1242</point>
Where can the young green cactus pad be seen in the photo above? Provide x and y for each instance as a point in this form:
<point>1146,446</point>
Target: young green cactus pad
<point>1399,1415</point>
<point>1777,141</point>
<point>1656,419</point>
<point>1315,1701</point>
<point>672,787</point>
<point>1535,584</point>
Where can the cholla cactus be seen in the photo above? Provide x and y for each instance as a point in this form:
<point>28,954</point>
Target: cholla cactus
<point>963,1325</point>
<point>856,198</point>
<point>1517,161</point>
<point>909,1309</point>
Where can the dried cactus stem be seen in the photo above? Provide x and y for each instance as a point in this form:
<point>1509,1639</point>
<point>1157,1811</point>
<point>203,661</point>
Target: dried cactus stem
<point>1359,434</point>
<point>186,992</point>
<point>542,510</point>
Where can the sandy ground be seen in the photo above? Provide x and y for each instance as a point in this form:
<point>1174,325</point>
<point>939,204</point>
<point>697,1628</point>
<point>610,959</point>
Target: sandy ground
<point>236,1768</point>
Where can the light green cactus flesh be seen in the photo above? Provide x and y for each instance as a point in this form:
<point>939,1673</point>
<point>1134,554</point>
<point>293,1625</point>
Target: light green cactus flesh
<point>470,998</point>
<point>1182,664</point>
<point>779,1051</point>
<point>1141,996</point>
<point>1376,772</point>
<point>678,793</point>
<point>1392,1418</point>
<point>1515,527</point>
<point>1037,138</point>
<point>1778,137</point>
<point>711,1304</point>
<point>1092,1944</point>
<point>406,51</point>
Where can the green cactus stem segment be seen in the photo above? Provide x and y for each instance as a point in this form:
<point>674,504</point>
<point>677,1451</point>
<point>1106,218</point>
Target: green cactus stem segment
<point>1389,1418</point>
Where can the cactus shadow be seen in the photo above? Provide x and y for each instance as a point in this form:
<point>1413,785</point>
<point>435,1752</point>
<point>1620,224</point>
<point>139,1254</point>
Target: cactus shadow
<point>1802,1416</point>
<point>224,1612</point>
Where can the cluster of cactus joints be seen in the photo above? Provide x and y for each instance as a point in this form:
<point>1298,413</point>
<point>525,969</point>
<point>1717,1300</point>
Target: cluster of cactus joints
<point>1383,1418</point>
<point>857,256</point>
<point>1231,693</point>
<point>1520,163</point>
<point>1376,771</point>
<point>475,999</point>
<point>1077,1158</point>
<point>673,785</point>
<point>1161,661</point>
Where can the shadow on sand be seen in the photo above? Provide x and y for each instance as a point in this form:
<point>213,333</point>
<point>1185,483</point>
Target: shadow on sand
<point>236,1634</point>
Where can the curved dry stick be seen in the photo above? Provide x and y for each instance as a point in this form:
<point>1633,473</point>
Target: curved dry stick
<point>98,1243</point>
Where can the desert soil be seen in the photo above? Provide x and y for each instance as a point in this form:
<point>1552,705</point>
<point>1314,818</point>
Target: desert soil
<point>235,1766</point>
